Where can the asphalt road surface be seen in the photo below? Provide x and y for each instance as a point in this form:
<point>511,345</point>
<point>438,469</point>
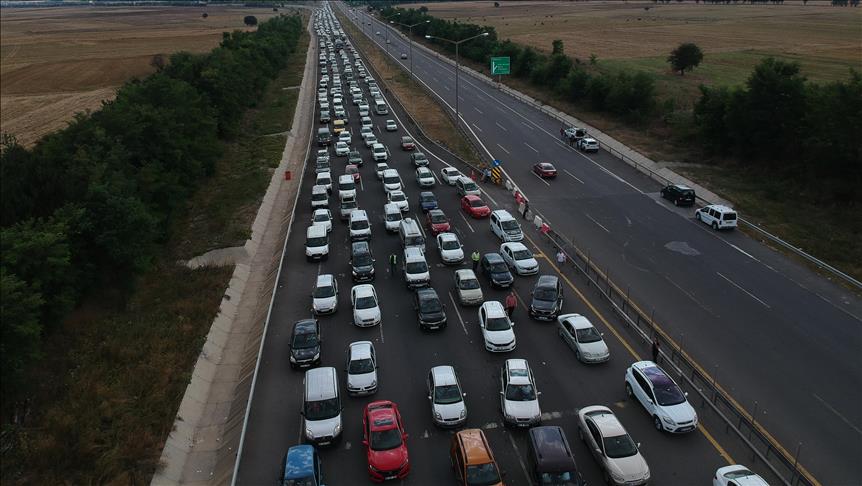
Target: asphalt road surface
<point>778,337</point>
<point>406,354</point>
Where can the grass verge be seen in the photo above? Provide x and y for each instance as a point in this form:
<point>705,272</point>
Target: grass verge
<point>422,107</point>
<point>106,395</point>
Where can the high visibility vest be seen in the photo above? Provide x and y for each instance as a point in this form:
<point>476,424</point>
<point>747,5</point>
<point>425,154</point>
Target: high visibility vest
<point>475,256</point>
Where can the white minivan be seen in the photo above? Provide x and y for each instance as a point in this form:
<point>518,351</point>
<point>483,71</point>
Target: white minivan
<point>346,186</point>
<point>416,272</point>
<point>391,180</point>
<point>465,186</point>
<point>717,216</point>
<point>380,107</point>
<point>321,407</point>
<point>505,226</point>
<point>392,217</point>
<point>360,226</point>
<point>411,236</point>
<point>319,197</point>
<point>316,242</point>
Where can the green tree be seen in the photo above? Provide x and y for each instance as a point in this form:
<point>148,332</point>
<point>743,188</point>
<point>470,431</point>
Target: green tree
<point>20,330</point>
<point>526,62</point>
<point>557,47</point>
<point>685,57</point>
<point>250,20</point>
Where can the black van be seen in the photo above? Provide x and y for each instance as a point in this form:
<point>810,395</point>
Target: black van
<point>551,458</point>
<point>324,137</point>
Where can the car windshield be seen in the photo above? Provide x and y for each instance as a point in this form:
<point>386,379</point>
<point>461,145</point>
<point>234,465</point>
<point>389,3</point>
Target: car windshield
<point>348,204</point>
<point>347,186</point>
<point>520,393</point>
<point>308,481</point>
<point>320,196</point>
<point>397,197</point>
<point>558,479</point>
<point>321,218</point>
<point>523,254</point>
<point>414,241</point>
<point>451,245</point>
<point>427,198</point>
<point>366,303</point>
<point>545,294</point>
<point>469,284</point>
<point>359,225</point>
<point>620,446</point>
<point>391,217</point>
<point>391,180</point>
<point>589,335</point>
<point>497,324</point>
<point>470,186</point>
<point>360,366</point>
<point>509,224</point>
<point>324,292</point>
<point>438,218</point>
<point>668,394</point>
<point>362,260</point>
<point>499,267</point>
<point>416,267</point>
<point>447,394</point>
<point>322,409</point>
<point>476,203</point>
<point>430,305</point>
<point>482,474</point>
<point>318,241</point>
<point>383,440</point>
<point>419,157</point>
<point>305,340</point>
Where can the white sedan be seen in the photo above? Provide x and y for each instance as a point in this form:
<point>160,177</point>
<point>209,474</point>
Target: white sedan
<point>342,149</point>
<point>370,140</point>
<point>379,168</point>
<point>391,126</point>
<point>468,287</point>
<point>364,132</point>
<point>497,330</point>
<point>449,175</point>
<point>324,298</point>
<point>424,177</point>
<point>345,137</point>
<point>450,248</point>
<point>399,199</point>
<point>584,339</point>
<point>366,307</point>
<point>361,368</point>
<point>736,474</point>
<point>611,445</point>
<point>322,217</point>
<point>519,399</point>
<point>519,258</point>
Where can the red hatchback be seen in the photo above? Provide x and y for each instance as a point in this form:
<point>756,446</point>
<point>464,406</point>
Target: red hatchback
<point>353,170</point>
<point>437,222</point>
<point>545,170</point>
<point>407,143</point>
<point>385,441</point>
<point>474,206</point>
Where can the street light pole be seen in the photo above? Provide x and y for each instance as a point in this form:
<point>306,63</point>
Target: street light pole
<point>410,39</point>
<point>457,65</point>
<point>385,26</point>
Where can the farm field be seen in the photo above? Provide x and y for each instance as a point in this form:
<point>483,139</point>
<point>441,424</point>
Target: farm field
<point>55,62</point>
<point>640,35</point>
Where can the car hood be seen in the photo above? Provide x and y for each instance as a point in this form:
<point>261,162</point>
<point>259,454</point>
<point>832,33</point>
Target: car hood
<point>321,428</point>
<point>324,303</point>
<point>450,411</point>
<point>430,205</point>
<point>527,263</point>
<point>432,316</point>
<point>471,293</point>
<point>518,409</point>
<point>305,353</point>
<point>544,304</point>
<point>596,348</point>
<point>363,314</point>
<point>388,460</point>
<point>452,254</point>
<point>483,210</point>
<point>363,268</point>
<point>499,337</point>
<point>501,276</point>
<point>681,412</point>
<point>630,468</point>
<point>362,380</point>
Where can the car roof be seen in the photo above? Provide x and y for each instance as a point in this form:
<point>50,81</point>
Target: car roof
<point>514,245</point>
<point>493,257</point>
<point>546,165</point>
<point>389,172</point>
<point>472,197</point>
<point>381,415</point>
<point>654,373</point>
<point>681,187</point>
<point>363,290</point>
<point>427,193</point>
<point>721,208</point>
<point>411,251</point>
<point>299,462</point>
<point>325,279</point>
<point>447,236</point>
<point>360,349</point>
<point>518,371</point>
<point>436,212</point>
<point>465,273</point>
<point>305,326</point>
<point>547,281</point>
<point>552,450</point>
<point>464,179</point>
<point>443,375</point>
<point>321,383</point>
<point>475,446</point>
<point>502,214</point>
<point>391,207</point>
<point>357,246</point>
<point>608,423</point>
<point>427,293</point>
<point>493,308</point>
<point>577,321</point>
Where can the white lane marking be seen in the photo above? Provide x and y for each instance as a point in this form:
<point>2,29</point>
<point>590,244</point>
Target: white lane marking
<point>477,128</point>
<point>531,147</point>
<point>540,178</point>
<point>435,176</point>
<point>434,78</point>
<point>749,255</point>
<point>527,125</point>
<point>501,126</point>
<point>600,224</point>
<point>301,432</point>
<point>520,460</point>
<point>551,415</point>
<point>731,282</point>
<point>447,87</point>
<point>489,197</point>
<point>420,226</point>
<point>504,149</point>
<point>465,220</point>
<point>477,109</point>
<point>457,313</point>
<point>858,431</point>
<point>361,186</point>
<point>490,425</point>
<point>381,327</point>
<point>461,98</point>
<point>573,176</point>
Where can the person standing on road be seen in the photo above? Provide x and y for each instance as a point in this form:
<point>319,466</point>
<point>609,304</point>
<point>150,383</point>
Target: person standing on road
<point>511,301</point>
<point>561,257</point>
<point>393,264</point>
<point>655,350</point>
<point>526,208</point>
<point>475,258</point>
<point>562,133</point>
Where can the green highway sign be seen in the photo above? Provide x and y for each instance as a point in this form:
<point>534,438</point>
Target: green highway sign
<point>500,65</point>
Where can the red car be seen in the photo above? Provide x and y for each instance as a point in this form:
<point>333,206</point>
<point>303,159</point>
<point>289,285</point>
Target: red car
<point>437,222</point>
<point>385,441</point>
<point>474,206</point>
<point>407,143</point>
<point>353,170</point>
<point>545,170</point>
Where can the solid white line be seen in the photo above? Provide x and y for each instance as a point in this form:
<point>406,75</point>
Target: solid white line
<point>520,460</point>
<point>600,224</point>
<point>527,125</point>
<point>455,306</point>
<point>838,414</point>
<point>742,289</point>
<point>489,197</point>
<point>381,327</point>
<point>419,224</point>
<point>501,126</point>
<point>504,149</point>
<point>465,220</point>
<point>447,88</point>
<point>749,255</point>
<point>477,109</point>
<point>531,147</point>
<point>573,176</point>
<point>477,128</point>
<point>540,178</point>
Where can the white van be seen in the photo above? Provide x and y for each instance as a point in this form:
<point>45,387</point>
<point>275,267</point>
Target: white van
<point>360,226</point>
<point>321,406</point>
<point>717,216</point>
<point>411,236</point>
<point>324,179</point>
<point>319,197</point>
<point>465,186</point>
<point>346,186</point>
<point>505,226</point>
<point>379,152</point>
<point>392,217</point>
<point>380,107</point>
<point>416,272</point>
<point>391,180</point>
<point>316,242</point>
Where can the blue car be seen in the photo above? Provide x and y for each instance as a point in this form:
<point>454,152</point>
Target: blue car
<point>427,201</point>
<point>302,467</point>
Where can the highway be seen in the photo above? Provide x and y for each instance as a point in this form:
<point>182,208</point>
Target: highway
<point>778,337</point>
<point>405,354</point>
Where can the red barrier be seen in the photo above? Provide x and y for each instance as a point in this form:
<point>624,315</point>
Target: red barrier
<point>287,175</point>
<point>545,228</point>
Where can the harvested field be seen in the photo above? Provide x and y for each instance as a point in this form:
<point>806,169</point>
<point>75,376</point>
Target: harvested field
<point>59,61</point>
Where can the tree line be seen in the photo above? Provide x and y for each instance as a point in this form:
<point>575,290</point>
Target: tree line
<point>804,132</point>
<point>88,206</point>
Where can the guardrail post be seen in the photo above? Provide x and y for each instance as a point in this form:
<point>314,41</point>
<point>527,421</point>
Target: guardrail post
<point>796,474</point>
<point>753,419</point>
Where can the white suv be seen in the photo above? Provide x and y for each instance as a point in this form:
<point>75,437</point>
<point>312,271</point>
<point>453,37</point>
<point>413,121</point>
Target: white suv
<point>661,397</point>
<point>324,298</point>
<point>519,398</point>
<point>360,226</point>
<point>379,152</point>
<point>416,272</point>
<point>613,448</point>
<point>497,329</point>
<point>717,216</point>
<point>366,307</point>
<point>447,400</point>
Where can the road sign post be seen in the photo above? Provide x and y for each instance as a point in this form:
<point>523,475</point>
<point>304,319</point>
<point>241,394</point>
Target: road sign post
<point>499,66</point>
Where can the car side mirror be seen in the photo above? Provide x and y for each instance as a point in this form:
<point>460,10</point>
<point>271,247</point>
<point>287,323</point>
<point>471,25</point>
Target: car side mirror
<point>513,324</point>
<point>598,451</point>
<point>538,393</point>
<point>638,445</point>
<point>302,413</point>
<point>686,393</point>
<point>464,394</point>
<point>364,442</point>
<point>429,397</point>
<point>501,393</point>
<point>406,436</point>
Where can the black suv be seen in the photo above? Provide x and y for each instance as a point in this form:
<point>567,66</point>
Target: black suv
<point>361,262</point>
<point>305,344</point>
<point>419,159</point>
<point>431,312</point>
<point>679,194</point>
<point>547,298</point>
<point>495,268</point>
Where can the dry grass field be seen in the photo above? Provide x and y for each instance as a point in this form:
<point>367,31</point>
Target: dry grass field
<point>55,62</point>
